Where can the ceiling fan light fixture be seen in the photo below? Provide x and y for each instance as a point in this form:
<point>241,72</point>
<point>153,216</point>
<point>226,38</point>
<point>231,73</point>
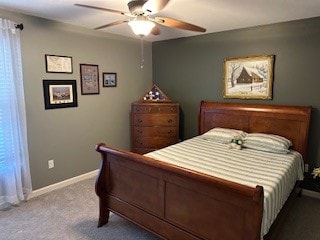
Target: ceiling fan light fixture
<point>141,27</point>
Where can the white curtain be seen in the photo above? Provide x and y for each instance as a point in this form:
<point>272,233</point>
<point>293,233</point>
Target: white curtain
<point>15,179</point>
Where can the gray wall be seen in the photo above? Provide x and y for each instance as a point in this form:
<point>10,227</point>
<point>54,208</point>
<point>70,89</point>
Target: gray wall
<point>189,70</point>
<point>69,135</point>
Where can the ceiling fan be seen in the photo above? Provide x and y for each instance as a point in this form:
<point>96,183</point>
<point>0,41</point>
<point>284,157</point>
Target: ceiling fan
<point>141,20</point>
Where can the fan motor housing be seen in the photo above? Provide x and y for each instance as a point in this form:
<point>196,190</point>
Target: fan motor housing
<point>135,6</point>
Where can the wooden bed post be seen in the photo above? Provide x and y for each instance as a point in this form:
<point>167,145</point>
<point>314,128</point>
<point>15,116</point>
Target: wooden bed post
<point>258,198</point>
<point>102,188</point>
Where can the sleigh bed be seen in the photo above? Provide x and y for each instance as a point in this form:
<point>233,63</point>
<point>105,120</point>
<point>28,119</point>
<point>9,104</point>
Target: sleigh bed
<point>175,202</point>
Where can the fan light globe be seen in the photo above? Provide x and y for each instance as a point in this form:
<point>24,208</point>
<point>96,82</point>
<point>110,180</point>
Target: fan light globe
<point>141,27</point>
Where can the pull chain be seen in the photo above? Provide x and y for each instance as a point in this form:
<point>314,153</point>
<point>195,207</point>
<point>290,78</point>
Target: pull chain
<point>142,52</point>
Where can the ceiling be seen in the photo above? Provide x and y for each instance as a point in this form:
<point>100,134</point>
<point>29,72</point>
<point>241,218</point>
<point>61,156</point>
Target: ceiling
<point>214,15</point>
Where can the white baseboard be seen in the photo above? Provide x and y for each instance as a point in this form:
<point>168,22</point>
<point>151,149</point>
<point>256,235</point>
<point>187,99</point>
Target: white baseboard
<point>62,184</point>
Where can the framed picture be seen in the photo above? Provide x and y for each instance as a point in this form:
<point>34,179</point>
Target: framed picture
<point>89,75</point>
<point>248,77</point>
<point>58,64</point>
<point>109,79</point>
<point>60,93</point>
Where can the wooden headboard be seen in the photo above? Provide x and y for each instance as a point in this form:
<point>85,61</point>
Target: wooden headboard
<point>291,122</point>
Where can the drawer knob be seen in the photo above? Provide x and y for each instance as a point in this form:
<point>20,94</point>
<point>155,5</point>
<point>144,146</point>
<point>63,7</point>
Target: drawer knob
<point>140,131</point>
<point>170,132</point>
<point>140,120</point>
<point>170,121</point>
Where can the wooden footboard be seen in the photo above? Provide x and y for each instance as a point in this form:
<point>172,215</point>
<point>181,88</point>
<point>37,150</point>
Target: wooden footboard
<point>176,203</point>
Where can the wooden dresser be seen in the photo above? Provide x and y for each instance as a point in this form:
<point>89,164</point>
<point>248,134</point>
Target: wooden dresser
<point>153,126</point>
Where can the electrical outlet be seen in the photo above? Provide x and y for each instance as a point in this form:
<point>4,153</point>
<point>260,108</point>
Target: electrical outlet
<point>306,167</point>
<point>51,163</point>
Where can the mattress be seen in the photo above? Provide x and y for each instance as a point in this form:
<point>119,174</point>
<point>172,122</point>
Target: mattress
<point>277,173</point>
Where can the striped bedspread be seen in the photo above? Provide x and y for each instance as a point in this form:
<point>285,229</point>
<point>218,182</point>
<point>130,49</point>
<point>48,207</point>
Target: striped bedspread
<point>277,173</point>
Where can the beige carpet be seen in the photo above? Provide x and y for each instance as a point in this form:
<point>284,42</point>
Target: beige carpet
<point>71,213</point>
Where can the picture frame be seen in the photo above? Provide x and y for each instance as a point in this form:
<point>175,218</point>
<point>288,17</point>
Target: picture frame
<point>58,64</point>
<point>89,75</point>
<point>248,77</point>
<point>60,94</point>
<point>109,79</point>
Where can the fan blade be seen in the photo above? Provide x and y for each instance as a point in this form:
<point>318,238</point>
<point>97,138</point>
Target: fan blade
<point>100,8</point>
<point>154,6</point>
<point>170,22</point>
<point>112,24</point>
<point>155,30</point>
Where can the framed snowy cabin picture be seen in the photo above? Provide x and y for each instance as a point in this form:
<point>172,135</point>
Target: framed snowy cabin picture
<point>248,77</point>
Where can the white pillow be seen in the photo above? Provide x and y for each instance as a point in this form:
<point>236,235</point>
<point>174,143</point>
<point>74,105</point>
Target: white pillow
<point>223,135</point>
<point>267,142</point>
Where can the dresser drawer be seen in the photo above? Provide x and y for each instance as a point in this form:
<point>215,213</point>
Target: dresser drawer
<point>154,109</point>
<point>154,120</point>
<point>143,150</point>
<point>153,142</point>
<point>154,131</point>
<point>154,125</point>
